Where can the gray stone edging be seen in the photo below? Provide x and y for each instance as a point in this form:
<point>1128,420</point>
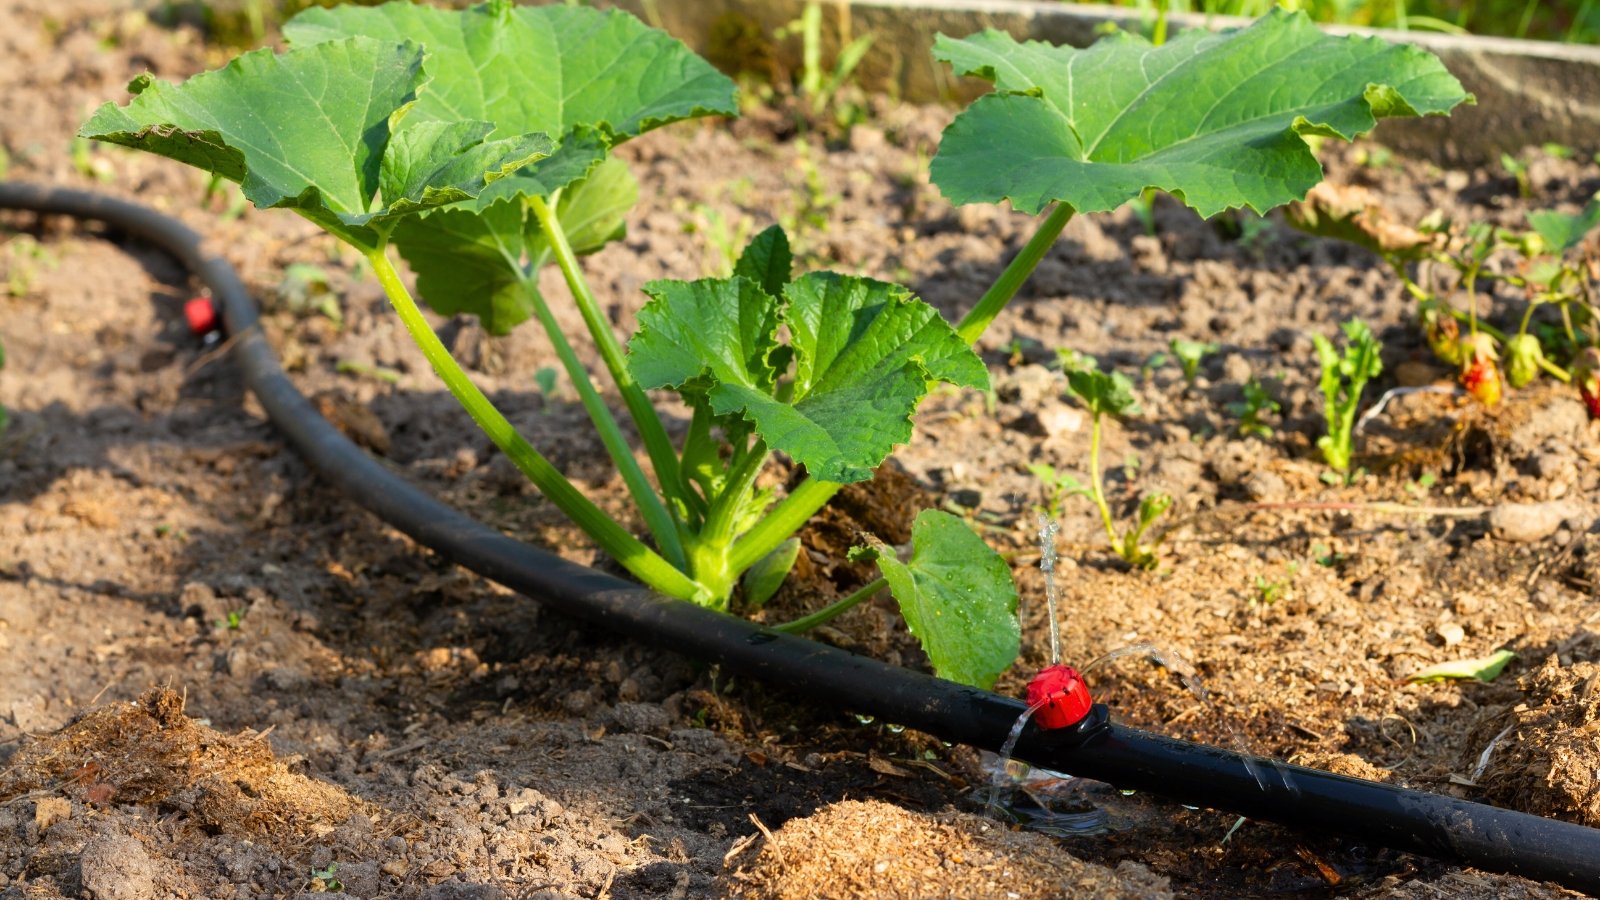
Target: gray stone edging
<point>1529,92</point>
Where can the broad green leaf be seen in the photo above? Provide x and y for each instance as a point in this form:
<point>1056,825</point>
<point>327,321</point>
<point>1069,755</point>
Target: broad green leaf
<point>958,599</point>
<point>1104,393</point>
<point>468,262</point>
<point>311,130</point>
<point>1483,668</point>
<point>767,261</point>
<point>864,352</point>
<point>1562,232</point>
<point>1215,119</point>
<point>484,263</point>
<point>550,69</point>
<point>721,328</point>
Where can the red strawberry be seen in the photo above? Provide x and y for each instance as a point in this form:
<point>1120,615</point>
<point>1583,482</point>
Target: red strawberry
<point>1480,369</point>
<point>1586,375</point>
<point>1061,697</point>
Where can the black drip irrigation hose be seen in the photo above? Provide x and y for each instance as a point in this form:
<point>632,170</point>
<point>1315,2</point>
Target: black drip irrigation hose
<point>1443,828</point>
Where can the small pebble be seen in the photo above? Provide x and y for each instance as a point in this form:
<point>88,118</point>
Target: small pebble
<point>1522,523</point>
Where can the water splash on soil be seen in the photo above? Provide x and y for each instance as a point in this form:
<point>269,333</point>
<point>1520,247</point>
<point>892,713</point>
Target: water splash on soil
<point>1038,799</point>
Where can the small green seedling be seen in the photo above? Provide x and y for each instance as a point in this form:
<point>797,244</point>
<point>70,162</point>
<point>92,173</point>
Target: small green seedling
<point>1344,376</point>
<point>545,380</point>
<point>1327,557</point>
<point>88,163</point>
<point>1189,355</point>
<point>1518,170</point>
<point>1111,394</point>
<point>367,370</point>
<point>1151,363</point>
<point>1058,487</point>
<point>305,290</point>
<point>1250,411</point>
<point>325,880</point>
<point>1419,488</point>
<point>25,258</point>
<point>1271,590</point>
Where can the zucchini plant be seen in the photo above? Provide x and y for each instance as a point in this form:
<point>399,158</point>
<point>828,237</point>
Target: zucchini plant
<point>477,144</point>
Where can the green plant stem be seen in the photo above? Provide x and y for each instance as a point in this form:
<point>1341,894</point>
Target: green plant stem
<point>1566,323</point>
<point>832,610</point>
<point>782,521</point>
<point>811,49</point>
<point>1412,288</point>
<point>659,447</point>
<point>1527,319</point>
<point>1417,293</point>
<point>1484,327</point>
<point>718,528</point>
<point>697,443</point>
<point>1099,493</point>
<point>1010,281</point>
<point>1471,281</point>
<point>655,514</point>
<point>711,548</point>
<point>638,559</point>
<point>1555,371</point>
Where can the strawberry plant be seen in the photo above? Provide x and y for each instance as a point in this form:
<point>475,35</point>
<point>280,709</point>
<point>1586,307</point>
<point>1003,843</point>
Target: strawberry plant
<point>1544,269</point>
<point>477,145</point>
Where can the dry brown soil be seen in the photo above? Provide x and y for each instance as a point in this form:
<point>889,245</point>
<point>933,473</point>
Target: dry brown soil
<point>218,678</point>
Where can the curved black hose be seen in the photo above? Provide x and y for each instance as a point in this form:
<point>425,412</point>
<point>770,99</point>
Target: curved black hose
<point>1429,824</point>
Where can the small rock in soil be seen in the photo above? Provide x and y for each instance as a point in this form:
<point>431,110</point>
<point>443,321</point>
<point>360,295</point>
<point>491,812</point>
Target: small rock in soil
<point>1059,419</point>
<point>641,718</point>
<point>1028,386</point>
<point>1264,485</point>
<point>116,867</point>
<point>1527,522</point>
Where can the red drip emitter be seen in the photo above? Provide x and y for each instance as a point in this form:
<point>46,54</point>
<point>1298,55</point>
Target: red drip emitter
<point>1061,696</point>
<point>201,314</point>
